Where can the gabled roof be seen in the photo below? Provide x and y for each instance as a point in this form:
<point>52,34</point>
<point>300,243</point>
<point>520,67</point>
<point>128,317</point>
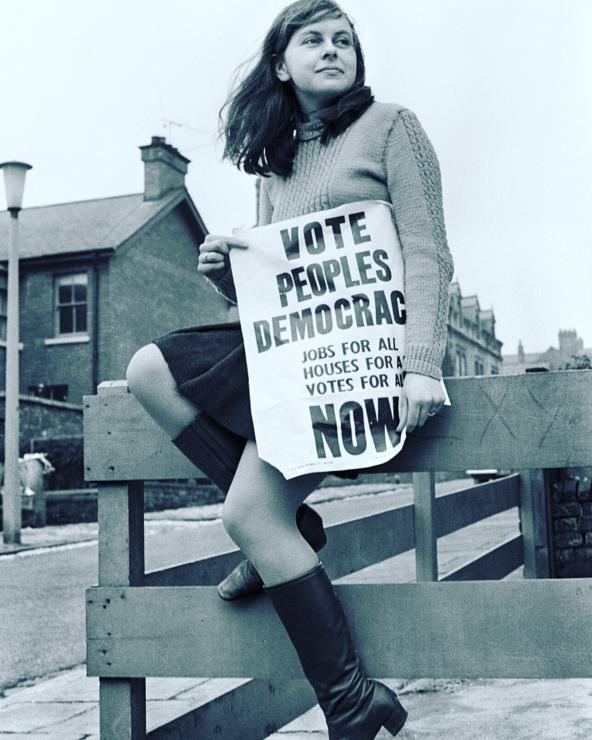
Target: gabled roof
<point>469,301</point>
<point>85,225</point>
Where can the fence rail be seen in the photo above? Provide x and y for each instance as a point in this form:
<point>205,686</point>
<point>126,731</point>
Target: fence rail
<point>362,541</point>
<point>503,629</point>
<point>522,421</point>
<point>458,626</point>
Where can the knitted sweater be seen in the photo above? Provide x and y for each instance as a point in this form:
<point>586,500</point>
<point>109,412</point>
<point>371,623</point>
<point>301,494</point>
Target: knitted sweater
<point>384,155</point>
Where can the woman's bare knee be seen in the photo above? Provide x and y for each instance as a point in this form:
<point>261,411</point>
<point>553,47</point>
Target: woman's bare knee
<point>146,370</point>
<point>269,538</point>
<point>235,518</point>
<point>229,523</point>
<point>152,383</point>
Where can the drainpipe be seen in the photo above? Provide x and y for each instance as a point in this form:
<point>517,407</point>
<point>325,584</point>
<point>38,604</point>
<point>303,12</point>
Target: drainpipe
<point>95,323</point>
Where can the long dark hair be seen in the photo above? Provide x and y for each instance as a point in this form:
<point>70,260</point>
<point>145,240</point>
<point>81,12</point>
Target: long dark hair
<point>261,114</point>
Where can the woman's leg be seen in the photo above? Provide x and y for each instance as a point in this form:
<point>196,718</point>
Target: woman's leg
<point>210,447</point>
<point>193,433</point>
<point>152,383</point>
<point>260,515</point>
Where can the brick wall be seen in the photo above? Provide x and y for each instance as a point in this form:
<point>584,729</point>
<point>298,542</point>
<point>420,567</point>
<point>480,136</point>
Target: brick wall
<point>67,507</point>
<point>58,364</point>
<point>154,287</point>
<point>39,417</point>
<point>151,286</point>
<point>572,523</point>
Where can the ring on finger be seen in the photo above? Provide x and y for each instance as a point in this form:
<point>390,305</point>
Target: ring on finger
<point>432,412</point>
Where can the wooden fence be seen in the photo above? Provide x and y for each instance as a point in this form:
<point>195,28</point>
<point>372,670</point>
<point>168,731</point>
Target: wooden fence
<point>171,622</point>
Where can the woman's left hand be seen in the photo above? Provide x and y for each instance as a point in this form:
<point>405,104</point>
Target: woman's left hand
<point>421,398</point>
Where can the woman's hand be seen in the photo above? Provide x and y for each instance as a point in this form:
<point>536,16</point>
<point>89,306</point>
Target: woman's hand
<point>213,254</point>
<point>422,397</point>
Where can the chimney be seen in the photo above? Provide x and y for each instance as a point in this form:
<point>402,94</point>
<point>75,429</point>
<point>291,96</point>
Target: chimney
<point>164,168</point>
<point>568,343</point>
<point>520,351</point>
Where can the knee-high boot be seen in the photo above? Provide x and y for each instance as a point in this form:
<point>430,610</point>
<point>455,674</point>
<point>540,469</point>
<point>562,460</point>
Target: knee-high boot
<point>355,707</point>
<point>245,579</point>
<point>216,451</point>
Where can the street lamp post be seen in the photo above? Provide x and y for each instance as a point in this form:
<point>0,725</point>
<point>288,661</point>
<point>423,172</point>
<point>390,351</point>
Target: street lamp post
<point>14,181</point>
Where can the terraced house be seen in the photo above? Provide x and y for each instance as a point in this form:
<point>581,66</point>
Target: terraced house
<point>100,278</point>
<point>473,348</point>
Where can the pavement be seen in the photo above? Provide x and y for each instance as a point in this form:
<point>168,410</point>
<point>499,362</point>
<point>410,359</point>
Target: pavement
<point>64,704</point>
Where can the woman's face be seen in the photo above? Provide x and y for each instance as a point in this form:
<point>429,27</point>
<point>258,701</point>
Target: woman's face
<point>320,62</point>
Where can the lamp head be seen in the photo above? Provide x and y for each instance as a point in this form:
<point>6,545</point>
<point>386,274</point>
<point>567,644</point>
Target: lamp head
<point>14,183</point>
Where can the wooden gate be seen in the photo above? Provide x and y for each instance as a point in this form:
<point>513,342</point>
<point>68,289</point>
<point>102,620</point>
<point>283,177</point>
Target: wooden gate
<point>171,622</point>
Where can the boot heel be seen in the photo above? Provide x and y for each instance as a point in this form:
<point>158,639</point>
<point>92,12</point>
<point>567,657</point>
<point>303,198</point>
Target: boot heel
<point>396,719</point>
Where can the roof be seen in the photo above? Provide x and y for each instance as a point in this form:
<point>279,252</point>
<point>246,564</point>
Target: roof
<point>85,225</point>
<point>529,358</point>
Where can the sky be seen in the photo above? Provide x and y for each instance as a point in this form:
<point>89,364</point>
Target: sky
<point>502,88</point>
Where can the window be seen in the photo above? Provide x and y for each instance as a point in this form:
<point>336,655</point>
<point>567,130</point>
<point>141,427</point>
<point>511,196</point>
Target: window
<point>494,370</point>
<point>460,363</point>
<point>3,314</point>
<point>71,293</point>
<point>53,392</point>
<point>479,367</point>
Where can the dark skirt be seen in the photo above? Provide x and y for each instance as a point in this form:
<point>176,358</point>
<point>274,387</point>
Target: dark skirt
<point>209,366</point>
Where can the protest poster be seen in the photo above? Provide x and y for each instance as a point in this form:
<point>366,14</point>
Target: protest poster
<point>322,313</point>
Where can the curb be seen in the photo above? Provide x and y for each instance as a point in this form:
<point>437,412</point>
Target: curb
<point>48,537</point>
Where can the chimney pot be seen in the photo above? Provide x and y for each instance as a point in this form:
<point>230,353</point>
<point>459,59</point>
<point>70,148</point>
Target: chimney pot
<point>164,168</point>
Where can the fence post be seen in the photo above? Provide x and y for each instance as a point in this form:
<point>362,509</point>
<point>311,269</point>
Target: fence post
<point>535,523</point>
<point>426,543</point>
<point>121,563</point>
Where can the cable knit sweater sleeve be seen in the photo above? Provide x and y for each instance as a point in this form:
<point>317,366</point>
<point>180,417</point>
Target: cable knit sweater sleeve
<point>413,179</point>
<point>225,284</point>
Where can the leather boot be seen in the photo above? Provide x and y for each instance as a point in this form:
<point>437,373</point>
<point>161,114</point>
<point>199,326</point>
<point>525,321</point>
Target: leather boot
<point>355,707</point>
<point>215,450</point>
<point>245,579</point>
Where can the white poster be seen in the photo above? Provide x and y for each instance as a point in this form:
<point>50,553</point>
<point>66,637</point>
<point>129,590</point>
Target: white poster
<point>322,314</point>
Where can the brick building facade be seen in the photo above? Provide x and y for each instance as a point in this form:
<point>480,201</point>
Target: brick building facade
<point>100,278</point>
<point>472,348</point>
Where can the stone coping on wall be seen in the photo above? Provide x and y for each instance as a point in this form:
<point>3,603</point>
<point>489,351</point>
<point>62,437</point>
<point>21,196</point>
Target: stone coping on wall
<point>45,402</point>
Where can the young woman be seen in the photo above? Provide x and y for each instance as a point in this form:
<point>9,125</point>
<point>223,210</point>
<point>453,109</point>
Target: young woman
<point>306,123</point>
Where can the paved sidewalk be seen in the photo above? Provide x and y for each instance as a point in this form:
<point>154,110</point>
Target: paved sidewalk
<point>507,709</point>
<point>65,705</point>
